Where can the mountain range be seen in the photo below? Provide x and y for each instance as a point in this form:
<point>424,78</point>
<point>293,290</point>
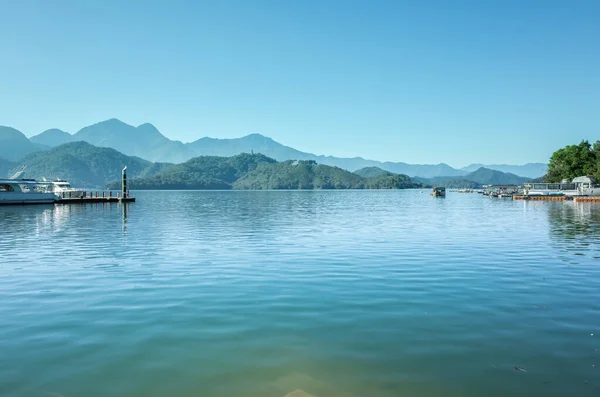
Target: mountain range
<point>145,141</point>
<point>89,166</point>
<point>475,179</point>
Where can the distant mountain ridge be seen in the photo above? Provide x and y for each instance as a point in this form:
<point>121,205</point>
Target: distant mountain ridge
<point>14,144</point>
<point>146,141</point>
<point>529,170</point>
<point>482,176</point>
<point>267,146</point>
<point>52,137</point>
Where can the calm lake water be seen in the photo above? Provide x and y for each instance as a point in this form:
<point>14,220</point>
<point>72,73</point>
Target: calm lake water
<point>336,293</point>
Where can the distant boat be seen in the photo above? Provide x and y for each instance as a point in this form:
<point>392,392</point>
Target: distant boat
<point>438,191</point>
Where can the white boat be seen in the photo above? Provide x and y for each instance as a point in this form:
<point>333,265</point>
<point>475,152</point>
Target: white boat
<point>25,191</point>
<point>64,190</point>
<point>438,191</point>
<point>18,190</point>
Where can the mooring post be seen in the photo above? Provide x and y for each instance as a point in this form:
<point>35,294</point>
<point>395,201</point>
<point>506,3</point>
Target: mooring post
<point>124,183</point>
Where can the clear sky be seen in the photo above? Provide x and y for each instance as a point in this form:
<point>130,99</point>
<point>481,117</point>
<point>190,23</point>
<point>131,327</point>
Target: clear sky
<point>415,81</point>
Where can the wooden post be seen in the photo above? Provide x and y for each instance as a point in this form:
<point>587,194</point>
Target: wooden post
<point>124,183</point>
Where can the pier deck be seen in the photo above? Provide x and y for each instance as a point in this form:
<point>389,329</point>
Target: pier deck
<point>594,199</point>
<point>84,200</point>
<point>540,198</point>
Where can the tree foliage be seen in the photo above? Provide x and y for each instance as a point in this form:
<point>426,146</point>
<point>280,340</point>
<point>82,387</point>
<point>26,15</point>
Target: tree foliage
<point>204,172</point>
<point>573,161</point>
<point>258,172</point>
<point>310,175</point>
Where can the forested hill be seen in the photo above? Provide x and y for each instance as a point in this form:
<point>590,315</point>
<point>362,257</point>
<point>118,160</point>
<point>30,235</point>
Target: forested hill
<point>85,165</point>
<point>5,167</point>
<point>204,172</point>
<point>258,172</point>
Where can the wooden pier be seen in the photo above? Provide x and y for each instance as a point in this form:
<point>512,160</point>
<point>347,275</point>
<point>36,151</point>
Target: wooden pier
<point>594,199</point>
<point>97,197</point>
<point>541,198</point>
<point>86,200</point>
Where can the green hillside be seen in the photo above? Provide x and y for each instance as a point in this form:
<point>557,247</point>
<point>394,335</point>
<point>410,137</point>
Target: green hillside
<point>205,172</point>
<point>5,167</point>
<point>258,172</point>
<point>299,175</point>
<point>372,172</point>
<point>392,181</point>
<point>85,165</point>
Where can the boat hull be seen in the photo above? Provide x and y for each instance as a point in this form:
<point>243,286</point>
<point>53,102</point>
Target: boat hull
<point>13,198</point>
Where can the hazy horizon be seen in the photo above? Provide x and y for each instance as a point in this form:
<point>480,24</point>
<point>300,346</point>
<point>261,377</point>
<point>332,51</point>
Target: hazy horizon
<point>414,82</point>
<point>283,143</point>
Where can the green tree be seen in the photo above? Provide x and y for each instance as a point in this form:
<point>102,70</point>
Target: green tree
<point>596,151</point>
<point>573,161</point>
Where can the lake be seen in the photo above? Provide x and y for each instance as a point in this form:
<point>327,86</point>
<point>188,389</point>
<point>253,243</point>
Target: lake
<point>335,293</point>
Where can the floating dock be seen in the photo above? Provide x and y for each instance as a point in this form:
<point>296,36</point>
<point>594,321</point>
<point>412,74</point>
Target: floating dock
<point>97,197</point>
<point>87,199</point>
<point>541,198</point>
<point>594,199</point>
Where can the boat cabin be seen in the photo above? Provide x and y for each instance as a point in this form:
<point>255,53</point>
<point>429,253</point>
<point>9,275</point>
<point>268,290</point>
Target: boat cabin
<point>438,191</point>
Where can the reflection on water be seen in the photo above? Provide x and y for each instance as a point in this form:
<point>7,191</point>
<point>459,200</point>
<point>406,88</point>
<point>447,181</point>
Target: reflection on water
<point>124,208</point>
<point>300,294</point>
<point>575,227</point>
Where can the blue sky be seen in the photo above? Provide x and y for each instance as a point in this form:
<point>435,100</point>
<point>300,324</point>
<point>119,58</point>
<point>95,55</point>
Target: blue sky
<point>415,81</point>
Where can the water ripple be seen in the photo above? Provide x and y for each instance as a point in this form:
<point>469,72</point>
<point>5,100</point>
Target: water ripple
<point>353,293</point>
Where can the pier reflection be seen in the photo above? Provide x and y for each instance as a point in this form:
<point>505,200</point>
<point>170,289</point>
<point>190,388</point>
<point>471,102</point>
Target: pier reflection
<point>124,209</point>
<point>575,227</point>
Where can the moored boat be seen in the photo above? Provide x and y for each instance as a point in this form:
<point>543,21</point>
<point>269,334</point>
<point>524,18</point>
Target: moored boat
<point>18,190</point>
<point>438,191</point>
<point>25,191</point>
<point>63,189</point>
